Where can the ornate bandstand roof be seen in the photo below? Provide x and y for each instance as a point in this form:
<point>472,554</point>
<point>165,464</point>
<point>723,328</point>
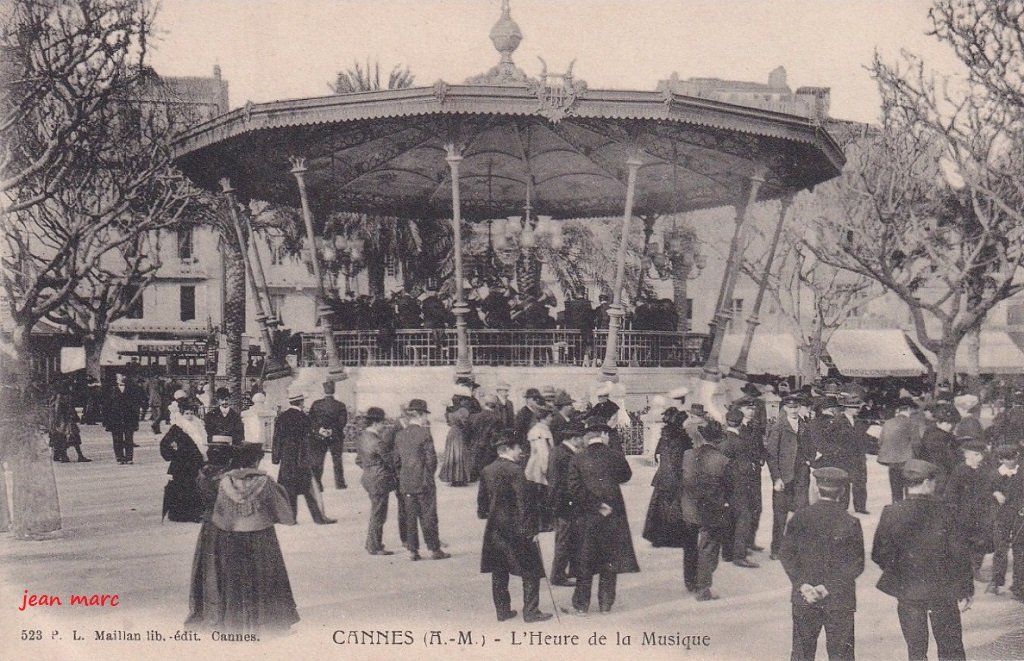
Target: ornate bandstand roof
<point>553,139</point>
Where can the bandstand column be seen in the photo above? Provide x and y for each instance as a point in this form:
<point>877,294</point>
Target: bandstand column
<point>739,370</point>
<point>463,365</point>
<point>722,310</point>
<point>275,369</point>
<point>610,368</point>
<point>335,371</point>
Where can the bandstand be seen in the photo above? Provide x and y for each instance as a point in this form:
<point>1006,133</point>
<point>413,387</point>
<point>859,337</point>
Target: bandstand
<point>505,143</point>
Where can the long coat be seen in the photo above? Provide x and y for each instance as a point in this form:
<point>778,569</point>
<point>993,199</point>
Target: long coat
<point>939,447</point>
<point>707,487</point>
<point>329,413</point>
<point>415,459</point>
<point>291,450</point>
<point>843,445</point>
<point>824,546</point>
<point>605,544</point>
<point>746,454</point>
<point>922,553</point>
<point>969,491</point>
<point>788,452</point>
<point>374,455</point>
<point>121,409</point>
<point>560,501</point>
<point>505,500</point>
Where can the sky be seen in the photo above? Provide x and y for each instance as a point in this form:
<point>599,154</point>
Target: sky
<point>281,49</point>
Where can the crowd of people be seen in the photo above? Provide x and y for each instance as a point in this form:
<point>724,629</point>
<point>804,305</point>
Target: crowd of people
<point>555,465</point>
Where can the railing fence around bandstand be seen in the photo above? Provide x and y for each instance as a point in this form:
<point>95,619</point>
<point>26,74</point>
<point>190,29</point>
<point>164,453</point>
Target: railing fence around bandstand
<point>511,348</point>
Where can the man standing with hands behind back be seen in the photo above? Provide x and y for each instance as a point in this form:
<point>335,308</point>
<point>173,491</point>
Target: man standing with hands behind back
<point>328,418</point>
<point>823,554</point>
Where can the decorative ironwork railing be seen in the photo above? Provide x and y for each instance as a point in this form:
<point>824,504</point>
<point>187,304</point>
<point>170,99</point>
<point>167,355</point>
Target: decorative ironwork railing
<point>518,348</point>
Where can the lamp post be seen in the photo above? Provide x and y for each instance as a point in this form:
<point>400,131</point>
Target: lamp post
<point>335,371</point>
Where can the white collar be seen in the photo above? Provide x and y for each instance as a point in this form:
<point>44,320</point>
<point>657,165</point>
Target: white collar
<point>1007,472</point>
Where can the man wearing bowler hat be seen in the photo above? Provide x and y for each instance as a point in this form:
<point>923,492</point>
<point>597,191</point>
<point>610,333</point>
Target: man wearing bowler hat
<point>604,544</point>
<point>925,564</point>
<point>746,455</point>
<point>292,452</point>
<point>823,554</point>
<point>328,418</point>
<point>510,547</point>
<point>416,463</point>
<point>374,456</point>
<point>843,444</point>
<point>560,502</point>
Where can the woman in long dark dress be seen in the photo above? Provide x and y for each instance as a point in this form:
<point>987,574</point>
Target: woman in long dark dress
<point>205,598</point>
<point>253,591</point>
<point>182,501</point>
<point>664,525</point>
<point>456,462</point>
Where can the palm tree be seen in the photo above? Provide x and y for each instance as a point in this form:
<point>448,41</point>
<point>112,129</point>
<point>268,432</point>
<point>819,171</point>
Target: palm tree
<point>358,79</point>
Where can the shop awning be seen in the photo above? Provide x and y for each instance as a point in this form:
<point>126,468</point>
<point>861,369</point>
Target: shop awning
<point>873,353</point>
<point>997,354</point>
<point>770,353</point>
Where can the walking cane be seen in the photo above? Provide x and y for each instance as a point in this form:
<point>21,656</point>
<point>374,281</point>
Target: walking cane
<point>550,591</point>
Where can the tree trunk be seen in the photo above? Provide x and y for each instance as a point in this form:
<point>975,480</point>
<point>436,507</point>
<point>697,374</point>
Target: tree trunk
<point>36,506</point>
<point>973,366</point>
<point>234,314</point>
<point>93,347</point>
<point>945,368</point>
<point>679,292</point>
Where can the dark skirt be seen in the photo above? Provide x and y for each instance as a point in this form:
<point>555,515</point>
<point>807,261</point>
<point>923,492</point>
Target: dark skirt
<point>456,462</point>
<point>239,582</point>
<point>664,525</point>
<point>182,501</point>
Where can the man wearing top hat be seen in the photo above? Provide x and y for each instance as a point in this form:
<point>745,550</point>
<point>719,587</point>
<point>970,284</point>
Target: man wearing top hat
<point>823,554</point>
<point>843,444</point>
<point>925,564</point>
<point>505,500</point>
<point>896,444</point>
<point>416,463</point>
<point>604,545</point>
<point>223,420</point>
<point>707,488</point>
<point>789,455</point>
<point>328,418</point>
<point>291,450</point>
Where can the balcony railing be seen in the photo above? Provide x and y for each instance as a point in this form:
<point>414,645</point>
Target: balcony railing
<point>520,348</point>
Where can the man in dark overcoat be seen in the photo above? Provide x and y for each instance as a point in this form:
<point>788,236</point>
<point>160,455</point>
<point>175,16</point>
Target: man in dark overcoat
<point>121,418</point>
<point>707,488</point>
<point>938,445</point>
<point>746,455</point>
<point>327,418</point>
<point>510,547</point>
<point>605,546</point>
<point>374,456</point>
<point>790,453</point>
<point>823,554</point>
<point>292,452</point>
<point>416,463</point>
<point>505,408</point>
<point>925,564</point>
<point>560,502</point>
<point>843,444</point>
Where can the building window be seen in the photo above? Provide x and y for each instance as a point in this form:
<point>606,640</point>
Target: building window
<point>133,300</point>
<point>188,302</point>
<point>185,246</point>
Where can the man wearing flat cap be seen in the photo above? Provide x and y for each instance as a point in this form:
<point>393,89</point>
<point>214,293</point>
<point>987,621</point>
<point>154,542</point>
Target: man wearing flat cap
<point>896,444</point>
<point>604,544</point>
<point>505,500</point>
<point>789,451</point>
<point>416,463</point>
<point>823,554</point>
<point>328,418</point>
<point>292,452</point>
<point>925,564</point>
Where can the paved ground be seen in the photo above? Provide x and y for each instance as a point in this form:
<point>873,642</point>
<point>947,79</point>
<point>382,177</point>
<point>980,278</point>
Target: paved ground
<point>113,542</point>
